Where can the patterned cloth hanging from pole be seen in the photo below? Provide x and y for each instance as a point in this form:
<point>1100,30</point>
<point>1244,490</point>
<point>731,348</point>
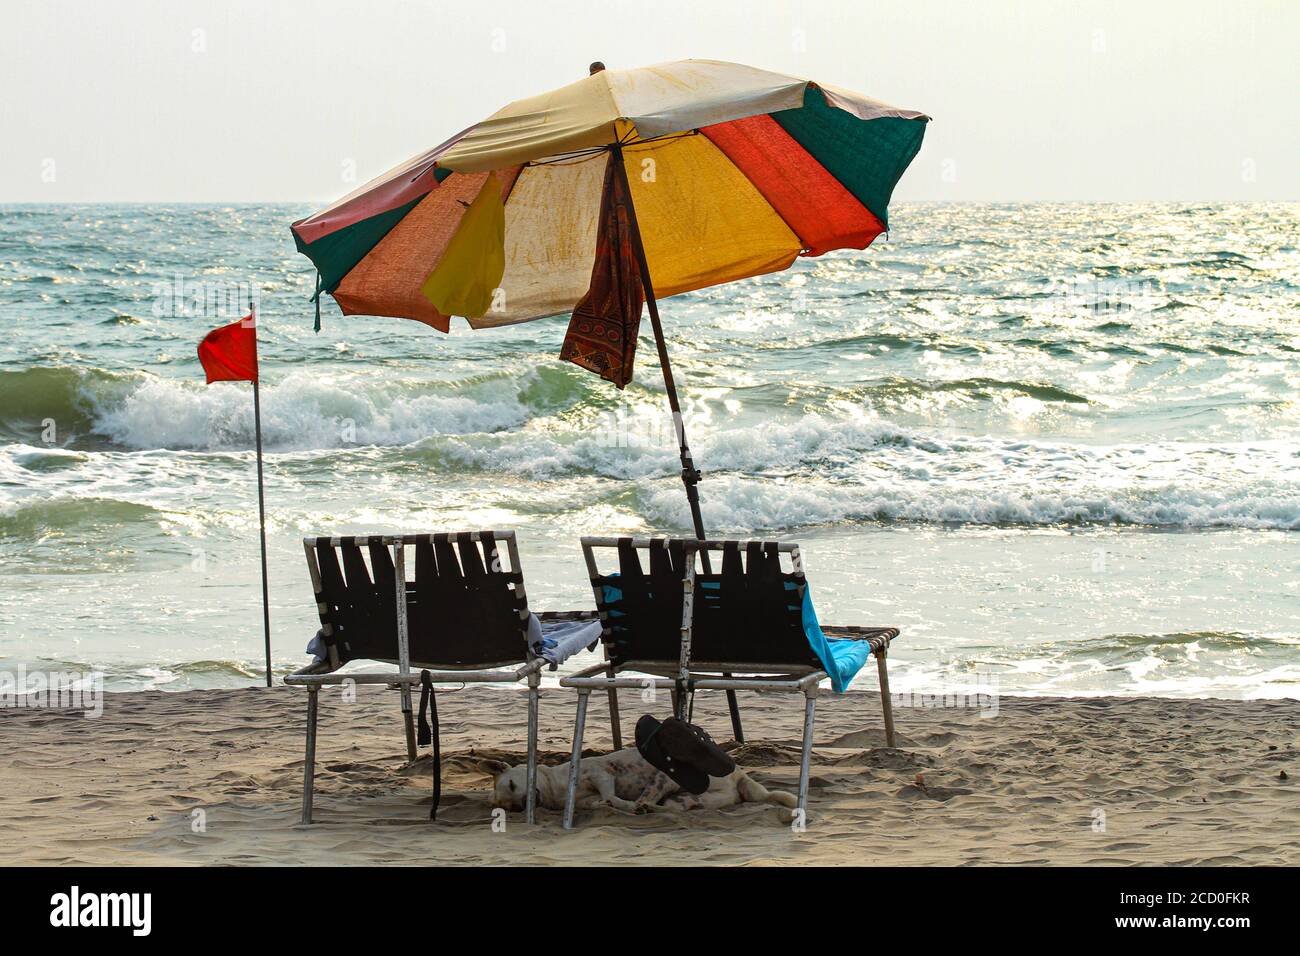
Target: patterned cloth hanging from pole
<point>602,333</point>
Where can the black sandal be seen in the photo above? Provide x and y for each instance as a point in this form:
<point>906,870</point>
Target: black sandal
<point>683,751</point>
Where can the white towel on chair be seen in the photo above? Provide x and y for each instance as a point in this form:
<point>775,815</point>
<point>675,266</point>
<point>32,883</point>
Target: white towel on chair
<point>562,640</point>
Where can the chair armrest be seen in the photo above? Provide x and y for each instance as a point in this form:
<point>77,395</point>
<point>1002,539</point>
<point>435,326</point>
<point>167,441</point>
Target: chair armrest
<point>302,679</point>
<point>396,679</point>
<point>878,637</point>
<point>536,664</point>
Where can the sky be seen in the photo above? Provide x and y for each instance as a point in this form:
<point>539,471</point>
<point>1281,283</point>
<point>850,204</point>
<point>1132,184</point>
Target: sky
<point>290,100</point>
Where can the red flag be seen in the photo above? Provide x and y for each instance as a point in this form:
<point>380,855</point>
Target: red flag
<point>229,354</point>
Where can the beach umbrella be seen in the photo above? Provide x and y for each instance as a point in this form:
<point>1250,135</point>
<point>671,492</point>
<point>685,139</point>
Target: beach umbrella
<point>597,198</point>
<point>624,187</point>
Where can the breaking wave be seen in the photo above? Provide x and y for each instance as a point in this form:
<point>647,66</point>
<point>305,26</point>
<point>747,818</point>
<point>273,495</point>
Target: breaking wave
<point>734,504</point>
<point>132,410</point>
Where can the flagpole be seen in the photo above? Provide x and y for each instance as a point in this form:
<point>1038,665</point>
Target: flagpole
<point>261,504</point>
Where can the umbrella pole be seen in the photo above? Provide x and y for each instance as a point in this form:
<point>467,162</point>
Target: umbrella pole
<point>690,474</point>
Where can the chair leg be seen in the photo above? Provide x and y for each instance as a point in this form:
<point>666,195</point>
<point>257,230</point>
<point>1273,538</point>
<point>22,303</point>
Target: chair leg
<point>309,764</point>
<point>736,730</point>
<point>531,780</point>
<point>613,715</point>
<point>575,762</point>
<point>809,706</point>
<point>409,720</point>
<point>614,721</point>
<point>886,702</point>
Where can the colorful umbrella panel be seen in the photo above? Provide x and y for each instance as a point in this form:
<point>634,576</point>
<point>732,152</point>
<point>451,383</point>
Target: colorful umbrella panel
<point>733,172</point>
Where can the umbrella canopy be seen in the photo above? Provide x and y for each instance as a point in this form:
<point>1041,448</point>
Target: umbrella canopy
<point>594,198</point>
<point>733,172</point>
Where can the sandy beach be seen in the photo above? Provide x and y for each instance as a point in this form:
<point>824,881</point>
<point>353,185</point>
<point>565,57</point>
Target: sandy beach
<point>1094,781</point>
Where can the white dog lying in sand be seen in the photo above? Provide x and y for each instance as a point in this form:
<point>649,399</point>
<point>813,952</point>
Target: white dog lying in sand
<point>626,781</point>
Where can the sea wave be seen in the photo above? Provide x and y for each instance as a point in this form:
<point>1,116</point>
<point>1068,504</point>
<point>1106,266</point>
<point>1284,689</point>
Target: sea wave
<point>57,404</point>
<point>300,411</point>
<point>1177,664</point>
<point>96,408</point>
<point>1129,644</point>
<point>614,446</point>
<point>34,518</point>
<point>734,504</point>
<point>864,450</point>
<point>134,675</point>
<point>816,469</point>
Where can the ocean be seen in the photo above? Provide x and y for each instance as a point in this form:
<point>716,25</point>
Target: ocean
<point>1056,444</point>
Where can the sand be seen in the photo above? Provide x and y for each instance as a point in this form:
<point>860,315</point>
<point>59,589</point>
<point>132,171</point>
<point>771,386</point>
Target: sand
<point>214,777</point>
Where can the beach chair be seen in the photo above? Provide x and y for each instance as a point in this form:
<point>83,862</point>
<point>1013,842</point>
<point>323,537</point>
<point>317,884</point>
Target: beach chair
<point>749,626</point>
<point>464,618</point>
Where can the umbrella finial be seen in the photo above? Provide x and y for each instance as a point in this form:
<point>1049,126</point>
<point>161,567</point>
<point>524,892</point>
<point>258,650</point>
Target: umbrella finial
<point>595,68</point>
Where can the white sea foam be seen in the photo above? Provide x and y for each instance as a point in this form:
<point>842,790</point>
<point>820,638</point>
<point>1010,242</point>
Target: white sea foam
<point>299,411</point>
<point>736,504</point>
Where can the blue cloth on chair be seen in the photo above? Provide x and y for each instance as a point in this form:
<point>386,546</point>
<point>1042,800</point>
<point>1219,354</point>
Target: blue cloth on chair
<point>556,641</point>
<point>842,659</point>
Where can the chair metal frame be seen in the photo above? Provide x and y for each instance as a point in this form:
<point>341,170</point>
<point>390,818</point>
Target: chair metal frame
<point>315,676</point>
<point>710,675</point>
